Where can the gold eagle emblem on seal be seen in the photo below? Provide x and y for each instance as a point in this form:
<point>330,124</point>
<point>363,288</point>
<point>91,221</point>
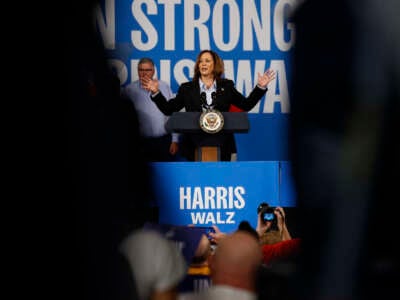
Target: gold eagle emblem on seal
<point>211,121</point>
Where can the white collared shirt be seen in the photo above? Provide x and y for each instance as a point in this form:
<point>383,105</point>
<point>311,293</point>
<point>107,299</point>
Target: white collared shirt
<point>208,91</point>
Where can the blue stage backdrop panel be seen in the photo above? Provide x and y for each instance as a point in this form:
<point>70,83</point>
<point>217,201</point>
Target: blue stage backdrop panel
<point>208,193</point>
<point>267,138</point>
<point>250,36</point>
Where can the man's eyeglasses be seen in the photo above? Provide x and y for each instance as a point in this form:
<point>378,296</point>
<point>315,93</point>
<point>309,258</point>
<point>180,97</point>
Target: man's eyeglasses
<point>145,70</point>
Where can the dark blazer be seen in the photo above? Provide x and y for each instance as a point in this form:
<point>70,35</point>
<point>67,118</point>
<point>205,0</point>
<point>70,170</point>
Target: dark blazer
<point>188,97</point>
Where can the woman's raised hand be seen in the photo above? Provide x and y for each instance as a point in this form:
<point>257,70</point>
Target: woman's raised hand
<point>267,77</point>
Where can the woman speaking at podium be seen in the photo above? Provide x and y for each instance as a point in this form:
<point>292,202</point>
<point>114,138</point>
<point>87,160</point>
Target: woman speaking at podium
<point>209,91</point>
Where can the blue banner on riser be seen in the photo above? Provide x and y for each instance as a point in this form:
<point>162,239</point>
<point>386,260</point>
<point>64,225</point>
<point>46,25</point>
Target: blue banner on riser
<point>217,193</point>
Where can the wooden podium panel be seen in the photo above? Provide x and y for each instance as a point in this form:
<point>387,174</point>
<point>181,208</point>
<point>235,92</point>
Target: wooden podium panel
<point>207,153</point>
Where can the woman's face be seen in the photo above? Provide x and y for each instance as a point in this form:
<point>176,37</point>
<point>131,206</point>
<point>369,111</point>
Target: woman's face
<point>206,64</point>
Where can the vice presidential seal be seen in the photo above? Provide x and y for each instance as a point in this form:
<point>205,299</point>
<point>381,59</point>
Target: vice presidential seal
<point>211,121</point>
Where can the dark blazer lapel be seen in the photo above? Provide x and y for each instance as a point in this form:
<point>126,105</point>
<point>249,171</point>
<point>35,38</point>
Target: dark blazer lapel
<point>220,93</point>
<point>196,96</point>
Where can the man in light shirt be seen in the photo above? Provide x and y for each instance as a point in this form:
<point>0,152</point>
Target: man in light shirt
<point>157,144</point>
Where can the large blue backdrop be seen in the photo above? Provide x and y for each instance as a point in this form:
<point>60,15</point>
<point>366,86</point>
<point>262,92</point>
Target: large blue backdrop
<point>250,36</point>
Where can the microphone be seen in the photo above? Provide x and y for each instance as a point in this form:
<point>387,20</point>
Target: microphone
<point>213,97</point>
<point>203,98</point>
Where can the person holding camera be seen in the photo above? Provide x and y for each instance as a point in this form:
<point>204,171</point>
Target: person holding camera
<point>276,243</point>
<point>275,239</point>
<point>271,224</point>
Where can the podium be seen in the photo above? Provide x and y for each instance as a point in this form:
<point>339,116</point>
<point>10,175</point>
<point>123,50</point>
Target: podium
<point>207,144</point>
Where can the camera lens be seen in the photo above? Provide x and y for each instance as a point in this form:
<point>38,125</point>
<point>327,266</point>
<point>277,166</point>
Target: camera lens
<point>268,217</point>
<point>268,214</point>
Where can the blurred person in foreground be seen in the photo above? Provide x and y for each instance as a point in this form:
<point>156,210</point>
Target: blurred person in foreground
<point>157,264</point>
<point>273,279</point>
<point>198,274</point>
<point>271,253</point>
<point>107,184</point>
<point>277,266</point>
<point>234,267</point>
<point>344,149</point>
